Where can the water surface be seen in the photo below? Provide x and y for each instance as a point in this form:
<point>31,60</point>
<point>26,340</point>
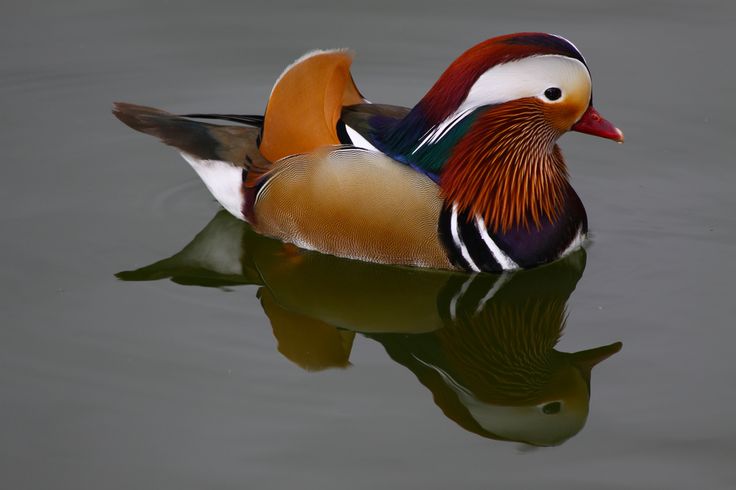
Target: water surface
<point>208,381</point>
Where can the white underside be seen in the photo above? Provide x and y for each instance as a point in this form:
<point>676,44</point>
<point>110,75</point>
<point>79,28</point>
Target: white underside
<point>223,180</point>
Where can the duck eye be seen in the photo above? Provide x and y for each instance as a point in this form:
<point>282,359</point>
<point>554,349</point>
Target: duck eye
<point>552,408</point>
<point>553,93</point>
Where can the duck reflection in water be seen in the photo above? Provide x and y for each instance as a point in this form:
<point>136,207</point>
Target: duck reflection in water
<point>483,344</point>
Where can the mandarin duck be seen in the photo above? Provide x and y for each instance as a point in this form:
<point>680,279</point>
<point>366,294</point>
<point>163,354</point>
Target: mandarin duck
<point>470,178</point>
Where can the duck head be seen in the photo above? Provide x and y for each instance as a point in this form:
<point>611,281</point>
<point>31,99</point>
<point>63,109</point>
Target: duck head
<point>488,127</point>
<point>541,69</point>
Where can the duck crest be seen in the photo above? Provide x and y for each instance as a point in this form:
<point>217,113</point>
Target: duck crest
<point>453,86</point>
<point>455,83</point>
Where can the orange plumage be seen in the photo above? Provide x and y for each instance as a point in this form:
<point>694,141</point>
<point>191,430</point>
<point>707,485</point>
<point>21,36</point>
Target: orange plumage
<point>508,168</point>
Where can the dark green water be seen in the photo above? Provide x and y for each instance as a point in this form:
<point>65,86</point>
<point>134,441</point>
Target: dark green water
<point>234,375</point>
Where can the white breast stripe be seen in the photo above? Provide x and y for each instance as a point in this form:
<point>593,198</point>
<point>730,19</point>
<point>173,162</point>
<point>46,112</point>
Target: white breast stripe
<point>575,244</point>
<point>358,139</point>
<point>459,241</point>
<point>503,260</point>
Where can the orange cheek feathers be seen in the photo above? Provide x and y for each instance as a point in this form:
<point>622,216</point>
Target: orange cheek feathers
<point>563,115</point>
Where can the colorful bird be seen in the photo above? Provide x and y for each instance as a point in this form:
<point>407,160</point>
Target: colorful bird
<point>470,178</point>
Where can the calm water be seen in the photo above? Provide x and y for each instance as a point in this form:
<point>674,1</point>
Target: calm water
<point>214,361</point>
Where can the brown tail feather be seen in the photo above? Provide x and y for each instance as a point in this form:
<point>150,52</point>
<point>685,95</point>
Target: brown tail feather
<point>235,144</point>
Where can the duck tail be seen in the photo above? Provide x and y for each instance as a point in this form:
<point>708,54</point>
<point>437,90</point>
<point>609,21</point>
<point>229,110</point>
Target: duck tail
<point>222,155</point>
<point>205,141</point>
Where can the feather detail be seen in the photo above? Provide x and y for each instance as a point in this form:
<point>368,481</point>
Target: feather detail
<point>507,168</point>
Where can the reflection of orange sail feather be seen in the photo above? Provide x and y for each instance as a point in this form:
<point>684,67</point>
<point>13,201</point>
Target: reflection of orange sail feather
<point>310,343</point>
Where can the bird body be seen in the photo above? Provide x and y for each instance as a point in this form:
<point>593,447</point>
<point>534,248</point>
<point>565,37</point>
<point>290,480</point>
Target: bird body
<point>470,178</point>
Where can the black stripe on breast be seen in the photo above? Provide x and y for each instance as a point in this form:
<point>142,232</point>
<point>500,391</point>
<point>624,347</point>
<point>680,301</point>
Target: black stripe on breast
<point>471,238</point>
<point>451,248</point>
<point>477,248</point>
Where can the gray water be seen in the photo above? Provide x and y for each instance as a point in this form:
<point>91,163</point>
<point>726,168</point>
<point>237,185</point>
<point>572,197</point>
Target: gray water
<point>215,380</point>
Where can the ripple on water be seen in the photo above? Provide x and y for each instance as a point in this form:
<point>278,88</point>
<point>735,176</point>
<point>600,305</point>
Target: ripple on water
<point>192,203</point>
<point>189,199</point>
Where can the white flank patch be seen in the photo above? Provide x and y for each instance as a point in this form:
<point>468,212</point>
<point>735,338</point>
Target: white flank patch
<point>358,139</point>
<point>503,260</point>
<point>223,180</point>
<point>459,241</point>
<point>575,244</point>
<point>527,77</point>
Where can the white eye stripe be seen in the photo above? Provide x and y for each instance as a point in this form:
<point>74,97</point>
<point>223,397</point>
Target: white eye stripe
<point>527,77</point>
